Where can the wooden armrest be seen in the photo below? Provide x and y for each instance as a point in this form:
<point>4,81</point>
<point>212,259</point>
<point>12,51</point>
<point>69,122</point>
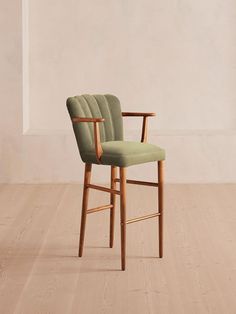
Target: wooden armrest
<point>83,119</point>
<point>145,115</point>
<point>97,140</point>
<point>138,114</point>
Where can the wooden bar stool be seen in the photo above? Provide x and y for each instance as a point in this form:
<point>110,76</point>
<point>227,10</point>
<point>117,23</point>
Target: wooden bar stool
<point>105,145</point>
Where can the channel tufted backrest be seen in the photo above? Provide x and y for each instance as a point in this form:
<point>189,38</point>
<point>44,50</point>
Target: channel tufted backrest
<point>95,106</point>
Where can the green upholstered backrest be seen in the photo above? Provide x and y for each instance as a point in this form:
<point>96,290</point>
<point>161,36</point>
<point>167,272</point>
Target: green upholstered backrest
<point>95,106</point>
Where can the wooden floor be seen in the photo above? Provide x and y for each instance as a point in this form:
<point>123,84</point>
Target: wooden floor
<point>41,273</point>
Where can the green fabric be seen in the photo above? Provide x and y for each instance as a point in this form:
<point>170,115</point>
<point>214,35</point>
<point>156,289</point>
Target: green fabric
<point>116,151</point>
<point>125,153</point>
<point>95,106</point>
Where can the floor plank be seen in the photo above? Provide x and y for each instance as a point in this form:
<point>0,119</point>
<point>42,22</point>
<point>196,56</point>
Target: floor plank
<point>41,273</point>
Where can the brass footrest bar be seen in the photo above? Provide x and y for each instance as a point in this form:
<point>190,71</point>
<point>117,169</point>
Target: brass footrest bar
<point>130,221</point>
<point>102,188</point>
<point>139,182</point>
<point>98,209</point>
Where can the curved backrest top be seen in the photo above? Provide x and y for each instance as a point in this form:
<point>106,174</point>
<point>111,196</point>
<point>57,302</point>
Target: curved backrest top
<point>95,106</point>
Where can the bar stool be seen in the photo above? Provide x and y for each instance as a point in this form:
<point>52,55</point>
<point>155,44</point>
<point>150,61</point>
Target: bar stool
<point>98,127</point>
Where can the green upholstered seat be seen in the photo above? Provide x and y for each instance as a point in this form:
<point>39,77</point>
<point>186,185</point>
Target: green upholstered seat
<point>116,151</point>
<point>125,153</point>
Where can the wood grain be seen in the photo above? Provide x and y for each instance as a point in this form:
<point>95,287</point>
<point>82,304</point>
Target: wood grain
<point>41,273</point>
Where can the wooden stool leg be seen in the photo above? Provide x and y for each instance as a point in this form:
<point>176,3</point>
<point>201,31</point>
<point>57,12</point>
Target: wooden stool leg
<point>123,215</point>
<point>160,205</point>
<point>87,177</point>
<point>113,202</point>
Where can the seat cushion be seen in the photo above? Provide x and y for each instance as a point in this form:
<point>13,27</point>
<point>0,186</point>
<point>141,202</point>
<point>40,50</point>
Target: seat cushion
<point>126,153</point>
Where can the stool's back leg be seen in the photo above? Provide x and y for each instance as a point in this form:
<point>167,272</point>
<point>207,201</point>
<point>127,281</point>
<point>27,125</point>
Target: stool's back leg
<point>113,202</point>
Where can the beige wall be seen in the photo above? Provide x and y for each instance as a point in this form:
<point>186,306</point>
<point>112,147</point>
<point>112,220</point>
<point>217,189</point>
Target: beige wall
<point>173,57</point>
<point>176,58</point>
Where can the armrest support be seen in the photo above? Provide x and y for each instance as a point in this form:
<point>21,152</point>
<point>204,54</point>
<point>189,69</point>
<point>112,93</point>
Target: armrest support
<point>80,119</point>
<point>145,115</point>
<point>97,140</point>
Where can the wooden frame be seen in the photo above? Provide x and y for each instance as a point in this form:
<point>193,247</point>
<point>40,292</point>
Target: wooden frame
<point>97,140</point>
<point>122,192</point>
<point>113,203</point>
<point>145,115</point>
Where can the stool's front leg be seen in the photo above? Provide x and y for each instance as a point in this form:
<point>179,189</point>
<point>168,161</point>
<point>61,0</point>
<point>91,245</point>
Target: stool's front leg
<point>123,215</point>
<point>87,177</point>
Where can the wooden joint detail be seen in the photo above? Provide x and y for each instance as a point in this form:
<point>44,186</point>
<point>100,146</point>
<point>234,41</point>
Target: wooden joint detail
<point>102,188</point>
<point>98,209</point>
<point>97,142</point>
<point>139,182</point>
<point>144,130</point>
<point>130,221</point>
<point>96,132</point>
